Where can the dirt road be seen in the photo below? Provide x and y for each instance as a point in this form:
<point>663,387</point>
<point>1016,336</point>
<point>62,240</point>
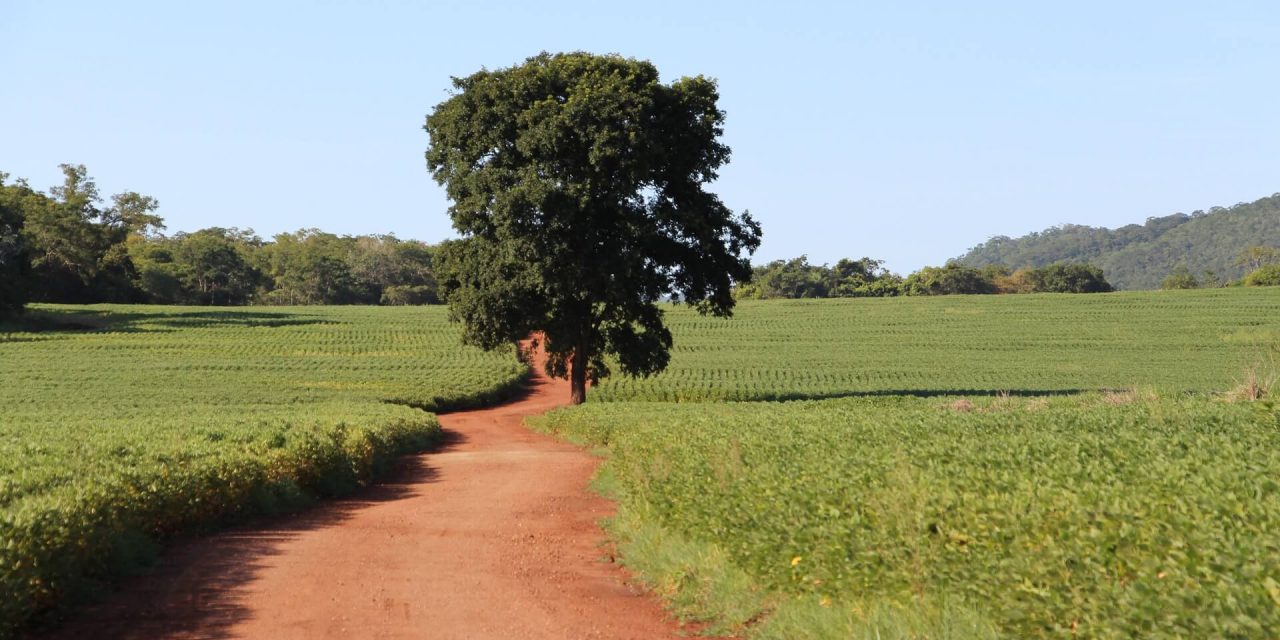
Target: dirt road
<point>493,536</point>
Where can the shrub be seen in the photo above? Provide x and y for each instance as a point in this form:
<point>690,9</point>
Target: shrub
<point>1180,278</point>
<point>409,295</point>
<point>954,278</point>
<point>1268,276</point>
<point>1063,277</point>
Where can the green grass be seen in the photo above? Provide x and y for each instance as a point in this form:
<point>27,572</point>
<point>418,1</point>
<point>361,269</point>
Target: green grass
<point>1091,516</point>
<point>122,424</point>
<point>778,350</point>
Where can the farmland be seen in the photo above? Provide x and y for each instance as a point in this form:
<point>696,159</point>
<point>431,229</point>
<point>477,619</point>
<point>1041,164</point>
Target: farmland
<point>1176,341</point>
<point>121,423</point>
<point>1036,466</point>
<point>978,466</point>
<point>1100,516</point>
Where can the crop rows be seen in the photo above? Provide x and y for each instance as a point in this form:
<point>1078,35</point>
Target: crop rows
<point>1092,516</point>
<point>135,422</point>
<point>772,350</point>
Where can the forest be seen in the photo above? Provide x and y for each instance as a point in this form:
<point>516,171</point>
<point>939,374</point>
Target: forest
<point>70,246</point>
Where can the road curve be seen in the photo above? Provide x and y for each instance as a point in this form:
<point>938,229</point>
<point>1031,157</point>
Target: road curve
<point>494,535</point>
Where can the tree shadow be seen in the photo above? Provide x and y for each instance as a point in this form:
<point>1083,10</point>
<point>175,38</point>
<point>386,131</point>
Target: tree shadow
<point>800,396</point>
<point>80,321</point>
<point>200,587</point>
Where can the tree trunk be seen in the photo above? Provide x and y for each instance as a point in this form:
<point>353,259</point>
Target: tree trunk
<point>578,376</point>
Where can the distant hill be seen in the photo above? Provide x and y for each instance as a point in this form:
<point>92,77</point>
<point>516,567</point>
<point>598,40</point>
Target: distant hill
<point>1139,256</point>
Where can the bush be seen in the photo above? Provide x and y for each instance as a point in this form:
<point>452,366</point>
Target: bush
<point>1063,277</point>
<point>409,295</point>
<point>1180,278</point>
<point>1268,276</point>
<point>954,278</point>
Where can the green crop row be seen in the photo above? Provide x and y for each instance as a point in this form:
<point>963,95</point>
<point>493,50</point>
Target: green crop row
<point>808,349</point>
<point>122,425</point>
<point>1098,516</point>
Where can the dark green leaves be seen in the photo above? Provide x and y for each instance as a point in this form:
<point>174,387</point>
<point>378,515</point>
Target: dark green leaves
<point>577,184</point>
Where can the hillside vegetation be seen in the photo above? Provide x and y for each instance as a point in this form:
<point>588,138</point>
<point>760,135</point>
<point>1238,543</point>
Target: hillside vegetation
<point>1139,256</point>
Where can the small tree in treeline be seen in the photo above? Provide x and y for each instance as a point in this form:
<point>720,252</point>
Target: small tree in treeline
<point>577,183</point>
<point>1180,278</point>
<point>866,277</point>
<point>1065,277</point>
<point>950,279</point>
<point>1264,276</point>
<point>796,278</point>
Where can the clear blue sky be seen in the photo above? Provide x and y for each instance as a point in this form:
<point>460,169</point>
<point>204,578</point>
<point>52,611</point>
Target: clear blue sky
<point>905,131</point>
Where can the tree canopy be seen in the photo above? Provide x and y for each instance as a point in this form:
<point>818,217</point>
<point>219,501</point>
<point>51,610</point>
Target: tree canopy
<point>1065,277</point>
<point>1264,276</point>
<point>1180,278</point>
<point>577,185</point>
<point>796,278</point>
<point>14,261</point>
<point>866,277</point>
<point>950,279</point>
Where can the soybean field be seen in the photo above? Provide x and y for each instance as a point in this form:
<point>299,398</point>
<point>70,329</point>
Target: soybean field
<point>1032,466</point>
<point>122,424</point>
<point>1039,466</point>
<point>1091,516</point>
<point>1199,341</point>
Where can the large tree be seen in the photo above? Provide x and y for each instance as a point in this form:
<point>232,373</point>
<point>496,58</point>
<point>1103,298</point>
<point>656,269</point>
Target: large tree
<point>577,183</point>
<point>15,264</point>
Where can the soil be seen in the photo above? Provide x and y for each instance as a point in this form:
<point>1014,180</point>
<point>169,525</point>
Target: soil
<point>494,535</point>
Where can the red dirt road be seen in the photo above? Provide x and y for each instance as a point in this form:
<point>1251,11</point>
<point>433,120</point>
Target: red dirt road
<point>495,535</point>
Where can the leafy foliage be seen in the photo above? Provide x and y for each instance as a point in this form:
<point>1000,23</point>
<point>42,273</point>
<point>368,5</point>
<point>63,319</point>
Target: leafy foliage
<point>1140,256</point>
<point>867,278</point>
<point>1062,277</point>
<point>76,250</point>
<point>125,423</point>
<point>1051,518</point>
<point>15,265</point>
<point>951,279</point>
<point>797,278</point>
<point>75,246</point>
<point>577,184</point>
<point>1267,276</point>
<point>1180,278</point>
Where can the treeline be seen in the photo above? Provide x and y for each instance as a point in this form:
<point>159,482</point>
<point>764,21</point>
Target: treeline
<point>69,246</point>
<point>866,277</point>
<point>229,267</point>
